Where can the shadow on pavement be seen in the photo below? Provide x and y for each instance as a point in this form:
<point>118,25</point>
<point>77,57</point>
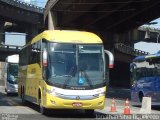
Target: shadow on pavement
<point>64,113</point>
<point>118,93</point>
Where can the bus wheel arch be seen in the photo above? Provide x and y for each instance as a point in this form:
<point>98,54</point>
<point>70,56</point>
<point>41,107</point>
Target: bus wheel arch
<point>21,91</point>
<point>42,109</point>
<point>140,95</point>
<point>39,96</point>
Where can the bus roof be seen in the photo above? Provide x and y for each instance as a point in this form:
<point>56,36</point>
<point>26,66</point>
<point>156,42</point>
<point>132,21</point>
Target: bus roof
<point>68,36</point>
<point>143,58</point>
<point>139,58</point>
<point>153,56</point>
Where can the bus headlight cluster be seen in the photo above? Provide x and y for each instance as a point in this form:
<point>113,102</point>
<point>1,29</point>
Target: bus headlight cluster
<point>99,95</point>
<point>51,92</point>
<point>102,94</point>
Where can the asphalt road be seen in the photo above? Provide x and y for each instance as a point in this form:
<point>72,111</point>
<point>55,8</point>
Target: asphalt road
<point>12,109</point>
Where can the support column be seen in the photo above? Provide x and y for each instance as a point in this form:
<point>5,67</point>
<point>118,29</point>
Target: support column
<point>108,42</point>
<point>2,34</point>
<point>108,39</point>
<point>52,20</point>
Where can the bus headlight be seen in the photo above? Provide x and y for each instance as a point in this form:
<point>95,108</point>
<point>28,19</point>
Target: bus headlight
<point>51,92</point>
<point>102,94</point>
<point>99,95</point>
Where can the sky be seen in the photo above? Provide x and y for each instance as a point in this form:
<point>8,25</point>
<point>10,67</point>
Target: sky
<point>10,39</point>
<point>144,46</point>
<point>40,3</point>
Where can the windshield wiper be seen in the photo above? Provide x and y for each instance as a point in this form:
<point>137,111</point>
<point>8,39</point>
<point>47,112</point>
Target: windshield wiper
<point>57,61</point>
<point>88,80</point>
<point>61,75</point>
<point>71,73</point>
<point>66,75</point>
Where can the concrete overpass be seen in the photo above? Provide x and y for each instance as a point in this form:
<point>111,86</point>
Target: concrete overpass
<point>116,22</point>
<point>102,15</point>
<point>16,16</point>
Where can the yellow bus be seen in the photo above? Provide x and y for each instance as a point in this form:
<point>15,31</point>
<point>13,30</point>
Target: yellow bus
<point>62,69</point>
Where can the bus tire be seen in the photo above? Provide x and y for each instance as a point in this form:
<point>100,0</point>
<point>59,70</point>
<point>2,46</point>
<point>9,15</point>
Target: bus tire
<point>89,111</point>
<point>43,110</point>
<point>141,96</point>
<point>22,97</point>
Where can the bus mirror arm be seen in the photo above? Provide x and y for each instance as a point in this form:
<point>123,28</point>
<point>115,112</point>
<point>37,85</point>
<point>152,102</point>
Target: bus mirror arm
<point>111,58</point>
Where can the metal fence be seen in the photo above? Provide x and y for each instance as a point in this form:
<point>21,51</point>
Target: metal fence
<point>10,47</point>
<point>129,50</point>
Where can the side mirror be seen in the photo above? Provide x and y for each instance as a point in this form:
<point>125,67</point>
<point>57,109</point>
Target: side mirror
<point>111,58</point>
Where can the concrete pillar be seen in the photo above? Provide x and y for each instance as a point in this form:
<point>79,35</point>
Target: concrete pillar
<point>108,42</point>
<point>135,35</point>
<point>2,36</point>
<point>31,32</point>
<point>146,105</point>
<point>107,38</point>
<point>51,20</point>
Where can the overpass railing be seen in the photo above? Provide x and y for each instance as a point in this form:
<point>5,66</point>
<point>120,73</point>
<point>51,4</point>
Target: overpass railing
<point>129,50</point>
<point>24,5</point>
<point>10,47</point>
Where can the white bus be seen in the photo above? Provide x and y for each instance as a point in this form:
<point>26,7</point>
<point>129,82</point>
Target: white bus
<point>11,74</point>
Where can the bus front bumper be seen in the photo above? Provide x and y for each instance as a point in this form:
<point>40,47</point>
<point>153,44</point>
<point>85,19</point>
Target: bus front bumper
<point>56,102</point>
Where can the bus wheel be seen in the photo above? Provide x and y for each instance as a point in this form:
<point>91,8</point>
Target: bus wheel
<point>141,96</point>
<point>22,98</point>
<point>89,111</point>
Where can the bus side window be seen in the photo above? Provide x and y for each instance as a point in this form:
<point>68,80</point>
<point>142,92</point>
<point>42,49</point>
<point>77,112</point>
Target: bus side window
<point>147,72</point>
<point>143,72</point>
<point>137,73</point>
<point>150,72</point>
<point>33,54</point>
<point>38,51</point>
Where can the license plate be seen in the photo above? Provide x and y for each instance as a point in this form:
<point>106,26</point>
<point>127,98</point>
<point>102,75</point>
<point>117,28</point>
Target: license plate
<point>77,104</point>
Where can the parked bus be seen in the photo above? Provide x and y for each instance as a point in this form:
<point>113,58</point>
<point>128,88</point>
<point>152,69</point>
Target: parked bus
<point>145,78</point>
<point>62,69</point>
<point>11,74</point>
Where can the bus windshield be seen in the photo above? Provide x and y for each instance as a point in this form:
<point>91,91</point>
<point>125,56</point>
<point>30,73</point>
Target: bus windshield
<point>73,66</point>
<point>153,67</point>
<point>12,72</point>
<point>148,68</point>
